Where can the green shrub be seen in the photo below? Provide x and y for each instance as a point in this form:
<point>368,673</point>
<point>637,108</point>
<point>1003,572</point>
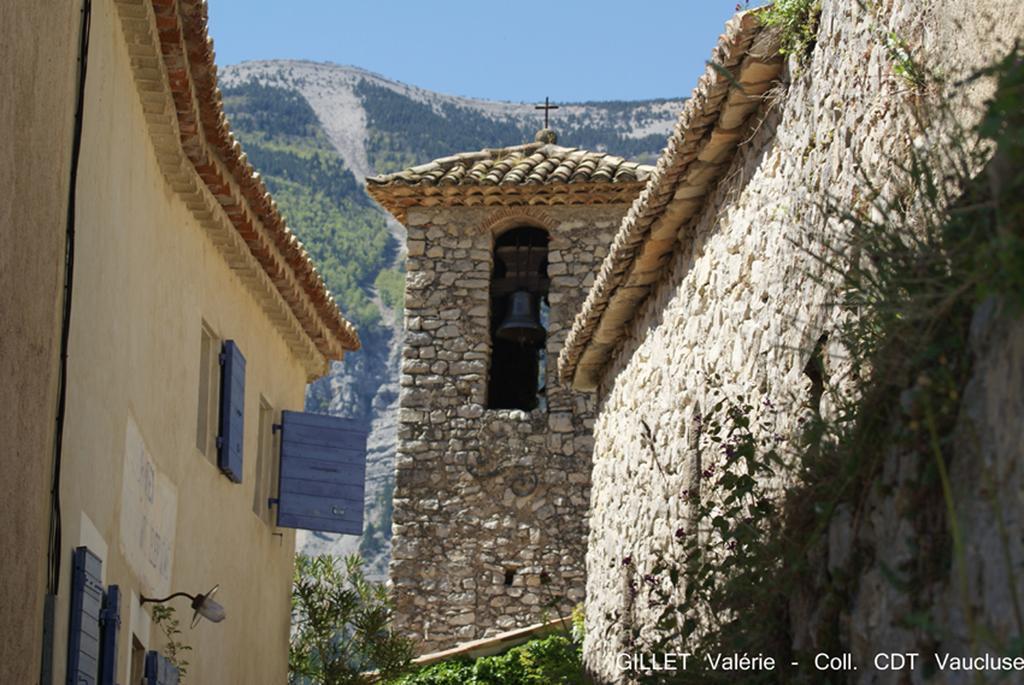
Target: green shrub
<point>555,660</point>
<point>341,625</point>
<point>458,672</point>
<point>551,660</point>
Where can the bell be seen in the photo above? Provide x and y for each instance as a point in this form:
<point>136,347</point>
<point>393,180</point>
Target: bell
<point>520,324</point>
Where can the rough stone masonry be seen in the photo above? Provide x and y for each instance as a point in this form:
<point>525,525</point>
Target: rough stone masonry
<point>490,508</point>
<point>742,298</point>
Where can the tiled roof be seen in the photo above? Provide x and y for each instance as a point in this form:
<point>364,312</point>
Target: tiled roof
<point>173,63</point>
<point>743,66</point>
<point>536,173</point>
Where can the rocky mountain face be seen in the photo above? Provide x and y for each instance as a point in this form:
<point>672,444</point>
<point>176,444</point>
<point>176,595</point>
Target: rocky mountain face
<point>315,132</point>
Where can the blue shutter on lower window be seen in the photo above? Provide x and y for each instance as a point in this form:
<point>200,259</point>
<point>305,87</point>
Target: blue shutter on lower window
<point>323,473</point>
<point>84,627</point>
<point>110,624</point>
<point>232,411</point>
<point>159,671</point>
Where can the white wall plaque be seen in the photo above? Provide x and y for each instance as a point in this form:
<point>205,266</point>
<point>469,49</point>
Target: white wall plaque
<point>149,510</point>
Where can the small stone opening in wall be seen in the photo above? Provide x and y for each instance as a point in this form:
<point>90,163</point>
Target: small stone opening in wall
<point>816,373</point>
<point>510,576</point>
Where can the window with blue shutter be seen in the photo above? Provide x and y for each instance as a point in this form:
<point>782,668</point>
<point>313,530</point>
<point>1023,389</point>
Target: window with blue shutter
<point>84,628</point>
<point>232,411</point>
<point>159,671</point>
<point>323,473</point>
<point>110,625</point>
<point>94,625</point>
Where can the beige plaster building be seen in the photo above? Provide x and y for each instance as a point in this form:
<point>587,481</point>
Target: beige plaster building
<point>197,319</point>
<point>36,115</point>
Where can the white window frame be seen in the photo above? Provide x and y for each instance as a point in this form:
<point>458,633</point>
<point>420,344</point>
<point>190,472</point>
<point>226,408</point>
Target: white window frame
<point>208,393</point>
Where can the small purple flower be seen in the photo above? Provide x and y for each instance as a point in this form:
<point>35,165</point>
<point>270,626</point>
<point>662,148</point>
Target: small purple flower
<point>680,533</point>
<point>626,561</point>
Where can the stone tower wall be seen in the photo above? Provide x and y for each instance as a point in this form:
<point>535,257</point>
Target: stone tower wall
<point>742,299</point>
<point>481,492</point>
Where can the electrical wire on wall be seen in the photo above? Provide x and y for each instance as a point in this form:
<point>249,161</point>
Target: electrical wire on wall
<point>54,533</point>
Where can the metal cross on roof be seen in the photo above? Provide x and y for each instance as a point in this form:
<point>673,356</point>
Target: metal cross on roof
<point>547,106</point>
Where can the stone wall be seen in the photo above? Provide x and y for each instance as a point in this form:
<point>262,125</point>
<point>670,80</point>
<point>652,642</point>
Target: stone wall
<point>482,492</point>
<point>744,299</point>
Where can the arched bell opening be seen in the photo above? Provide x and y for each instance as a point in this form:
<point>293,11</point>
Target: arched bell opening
<point>519,320</point>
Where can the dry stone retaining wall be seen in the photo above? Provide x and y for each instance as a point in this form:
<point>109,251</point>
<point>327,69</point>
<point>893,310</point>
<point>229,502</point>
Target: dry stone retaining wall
<point>742,299</point>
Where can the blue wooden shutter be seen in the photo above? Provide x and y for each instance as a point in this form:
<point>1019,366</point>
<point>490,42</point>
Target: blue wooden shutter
<point>232,411</point>
<point>110,624</point>
<point>323,473</point>
<point>159,671</point>
<point>84,628</point>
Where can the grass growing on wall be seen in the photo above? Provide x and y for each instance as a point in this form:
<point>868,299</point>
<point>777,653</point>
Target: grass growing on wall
<point>797,23</point>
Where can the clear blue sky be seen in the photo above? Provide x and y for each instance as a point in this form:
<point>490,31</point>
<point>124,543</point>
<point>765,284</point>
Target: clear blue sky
<point>570,50</point>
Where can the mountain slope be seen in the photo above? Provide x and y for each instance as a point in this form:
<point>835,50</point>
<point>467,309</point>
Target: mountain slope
<point>352,103</point>
<point>315,131</point>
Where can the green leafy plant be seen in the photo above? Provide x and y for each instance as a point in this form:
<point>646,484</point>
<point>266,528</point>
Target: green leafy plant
<point>903,63</point>
<point>341,625</point>
<point>455,672</point>
<point>174,648</point>
<point>797,23</point>
<point>551,660</point>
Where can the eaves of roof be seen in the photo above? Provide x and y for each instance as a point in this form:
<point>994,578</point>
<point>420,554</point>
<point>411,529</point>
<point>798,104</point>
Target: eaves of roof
<point>172,60</point>
<point>532,174</point>
<point>744,65</point>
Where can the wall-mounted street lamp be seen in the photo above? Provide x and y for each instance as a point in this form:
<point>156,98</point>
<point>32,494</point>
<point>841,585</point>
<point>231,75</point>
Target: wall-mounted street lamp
<point>203,605</point>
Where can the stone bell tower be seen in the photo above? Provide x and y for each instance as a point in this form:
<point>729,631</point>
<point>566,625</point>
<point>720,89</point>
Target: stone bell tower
<point>494,458</point>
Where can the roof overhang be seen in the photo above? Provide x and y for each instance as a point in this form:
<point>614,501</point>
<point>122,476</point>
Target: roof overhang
<point>536,174</point>
<point>714,122</point>
<point>172,60</point>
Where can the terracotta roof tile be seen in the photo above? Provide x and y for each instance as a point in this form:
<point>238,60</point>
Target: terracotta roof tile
<point>184,42</point>
<point>743,65</point>
<point>531,173</point>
